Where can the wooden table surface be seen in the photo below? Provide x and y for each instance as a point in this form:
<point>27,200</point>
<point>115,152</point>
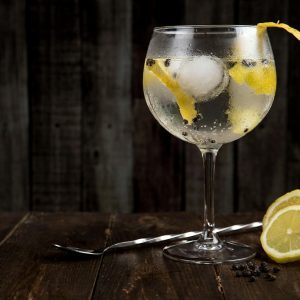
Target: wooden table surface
<point>31,269</point>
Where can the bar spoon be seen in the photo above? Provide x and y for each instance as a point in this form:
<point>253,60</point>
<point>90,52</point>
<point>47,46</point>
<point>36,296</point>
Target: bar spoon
<point>155,240</point>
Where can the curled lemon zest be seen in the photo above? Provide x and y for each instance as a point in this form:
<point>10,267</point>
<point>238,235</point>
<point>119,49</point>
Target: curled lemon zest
<point>263,26</point>
<point>185,101</point>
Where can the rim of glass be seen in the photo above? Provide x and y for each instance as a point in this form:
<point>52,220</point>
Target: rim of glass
<point>202,28</point>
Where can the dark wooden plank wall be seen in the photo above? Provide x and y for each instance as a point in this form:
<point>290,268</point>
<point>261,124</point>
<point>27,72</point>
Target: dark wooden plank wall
<point>76,133</point>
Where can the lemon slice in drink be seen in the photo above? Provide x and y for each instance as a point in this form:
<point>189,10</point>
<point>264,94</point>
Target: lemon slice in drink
<point>281,238</point>
<point>260,77</point>
<point>185,101</point>
<point>291,198</point>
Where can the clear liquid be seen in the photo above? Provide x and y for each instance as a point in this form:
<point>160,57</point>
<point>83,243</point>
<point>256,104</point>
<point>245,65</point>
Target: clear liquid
<point>225,112</point>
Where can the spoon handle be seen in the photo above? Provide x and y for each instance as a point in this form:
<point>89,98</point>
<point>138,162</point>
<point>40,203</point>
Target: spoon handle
<point>181,236</point>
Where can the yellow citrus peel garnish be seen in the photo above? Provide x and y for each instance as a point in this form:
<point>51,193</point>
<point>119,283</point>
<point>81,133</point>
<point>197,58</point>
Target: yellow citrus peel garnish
<point>185,102</point>
<point>261,77</point>
<point>263,26</point>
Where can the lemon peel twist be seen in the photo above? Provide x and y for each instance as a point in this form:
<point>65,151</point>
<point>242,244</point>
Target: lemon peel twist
<point>263,26</point>
<point>185,101</point>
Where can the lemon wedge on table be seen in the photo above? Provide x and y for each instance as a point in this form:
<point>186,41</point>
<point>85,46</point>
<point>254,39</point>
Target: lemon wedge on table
<point>291,198</point>
<point>185,101</point>
<point>281,237</point>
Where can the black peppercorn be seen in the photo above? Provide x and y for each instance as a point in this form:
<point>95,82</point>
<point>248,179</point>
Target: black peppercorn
<point>230,64</point>
<point>263,264</point>
<point>167,62</point>
<point>252,279</point>
<point>234,267</point>
<point>150,62</point>
<point>248,63</point>
<point>247,273</point>
<point>243,267</point>
<point>251,265</point>
<point>238,274</point>
<point>184,133</point>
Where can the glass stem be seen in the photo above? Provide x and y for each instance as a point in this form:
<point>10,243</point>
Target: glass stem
<point>209,159</point>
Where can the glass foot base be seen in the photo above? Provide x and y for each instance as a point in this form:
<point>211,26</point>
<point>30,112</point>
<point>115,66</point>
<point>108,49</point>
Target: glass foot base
<point>199,253</point>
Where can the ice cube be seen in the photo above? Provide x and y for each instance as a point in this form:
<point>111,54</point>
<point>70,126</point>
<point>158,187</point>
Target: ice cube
<point>173,66</point>
<point>204,77</point>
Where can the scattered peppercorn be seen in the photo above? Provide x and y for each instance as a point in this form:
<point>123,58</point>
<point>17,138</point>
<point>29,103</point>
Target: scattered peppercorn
<point>246,130</point>
<point>253,271</point>
<point>234,267</point>
<point>238,273</point>
<point>185,122</point>
<point>264,61</point>
<point>251,265</point>
<point>184,133</point>
<point>167,62</point>
<point>264,269</point>
<point>247,273</point>
<point>150,62</point>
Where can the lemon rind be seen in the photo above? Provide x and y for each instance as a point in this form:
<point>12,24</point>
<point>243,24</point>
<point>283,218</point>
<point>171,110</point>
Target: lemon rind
<point>277,202</point>
<point>277,256</point>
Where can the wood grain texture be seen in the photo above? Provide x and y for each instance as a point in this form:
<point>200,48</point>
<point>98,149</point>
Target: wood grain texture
<point>106,105</point>
<point>144,273</point>
<point>261,157</point>
<point>209,12</point>
<point>55,95</point>
<point>293,89</point>
<point>14,117</point>
<point>35,270</point>
<point>8,220</point>
<point>158,171</point>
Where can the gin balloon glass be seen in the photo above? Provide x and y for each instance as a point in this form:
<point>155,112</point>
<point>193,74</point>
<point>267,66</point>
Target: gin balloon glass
<point>209,85</point>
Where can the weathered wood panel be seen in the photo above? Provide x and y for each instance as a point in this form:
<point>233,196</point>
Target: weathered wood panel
<point>261,157</point>
<point>158,156</point>
<point>54,68</point>
<point>14,117</point>
<point>209,12</point>
<point>106,105</point>
<point>73,73</point>
<point>293,90</point>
